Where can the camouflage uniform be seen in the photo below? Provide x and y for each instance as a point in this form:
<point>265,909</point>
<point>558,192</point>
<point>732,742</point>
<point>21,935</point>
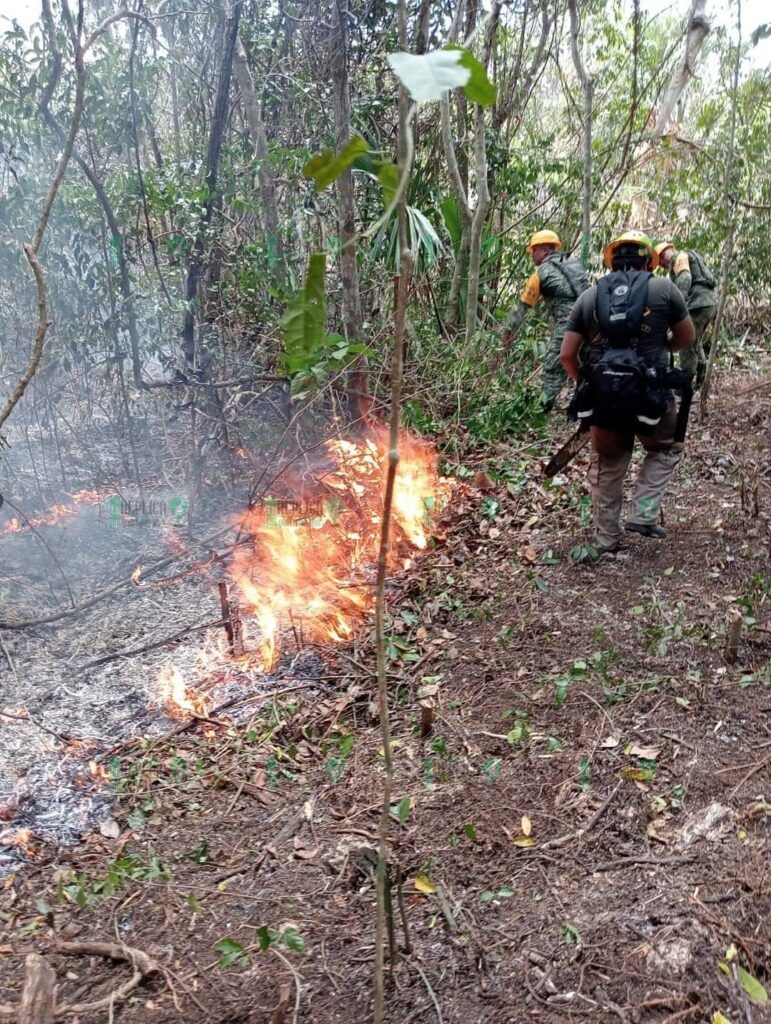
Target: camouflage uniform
<point>694,279</point>
<point>559,280</point>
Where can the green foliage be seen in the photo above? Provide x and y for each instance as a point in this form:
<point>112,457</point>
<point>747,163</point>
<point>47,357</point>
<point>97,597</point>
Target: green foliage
<point>326,167</point>
<point>309,352</point>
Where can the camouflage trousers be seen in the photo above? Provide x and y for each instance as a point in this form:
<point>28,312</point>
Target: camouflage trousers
<point>693,360</point>
<point>610,457</point>
<point>553,375</point>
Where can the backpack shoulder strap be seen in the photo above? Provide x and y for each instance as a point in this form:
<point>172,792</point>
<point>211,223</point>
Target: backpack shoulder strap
<point>622,298</point>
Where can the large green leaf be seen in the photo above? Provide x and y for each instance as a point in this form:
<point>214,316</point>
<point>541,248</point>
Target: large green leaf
<point>327,166</point>
<point>451,218</point>
<point>303,325</point>
<point>479,88</point>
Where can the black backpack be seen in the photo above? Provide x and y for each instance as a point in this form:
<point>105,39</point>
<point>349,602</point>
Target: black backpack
<point>618,389</point>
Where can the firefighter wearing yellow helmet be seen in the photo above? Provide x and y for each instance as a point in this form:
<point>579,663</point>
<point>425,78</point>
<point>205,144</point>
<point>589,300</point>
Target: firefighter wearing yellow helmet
<point>558,280</point>
<point>617,343</point>
<point>697,283</point>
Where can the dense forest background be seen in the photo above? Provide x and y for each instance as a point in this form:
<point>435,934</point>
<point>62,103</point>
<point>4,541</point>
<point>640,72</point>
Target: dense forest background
<point>179,241</point>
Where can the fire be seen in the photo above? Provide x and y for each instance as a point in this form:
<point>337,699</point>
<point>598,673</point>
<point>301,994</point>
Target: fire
<point>136,576</point>
<point>55,512</point>
<point>98,772</point>
<point>176,697</point>
<point>18,838</point>
<point>311,562</point>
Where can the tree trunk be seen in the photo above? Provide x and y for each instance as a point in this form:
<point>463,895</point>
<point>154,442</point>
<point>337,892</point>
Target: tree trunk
<point>483,194</point>
<point>730,218</point>
<point>359,402</point>
<point>459,188</point>
<point>265,180</point>
<point>400,315</point>
<point>698,28</point>
<point>219,120</point>
<point>588,90</point>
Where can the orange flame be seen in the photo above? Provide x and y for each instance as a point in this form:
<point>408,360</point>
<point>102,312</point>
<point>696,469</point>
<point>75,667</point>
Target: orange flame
<point>55,512</point>
<point>174,695</point>
<point>306,561</point>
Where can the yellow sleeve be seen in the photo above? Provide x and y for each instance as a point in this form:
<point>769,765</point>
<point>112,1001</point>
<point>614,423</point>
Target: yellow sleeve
<point>531,293</point>
<point>682,264</point>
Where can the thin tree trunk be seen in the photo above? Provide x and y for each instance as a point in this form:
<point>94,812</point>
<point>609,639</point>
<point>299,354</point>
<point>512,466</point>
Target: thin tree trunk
<point>460,270</point>
<point>588,90</point>
<point>219,119</point>
<point>483,195</point>
<point>359,401</point>
<point>397,357</point>
<point>698,29</point>
<point>265,180</point>
<point>31,248</point>
<point>729,214</point>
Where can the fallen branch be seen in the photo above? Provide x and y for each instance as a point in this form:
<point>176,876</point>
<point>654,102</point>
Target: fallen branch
<point>107,592</point>
<point>132,652</point>
<point>297,981</point>
<point>579,832</point>
<point>626,862</point>
<point>38,998</point>
<point>143,965</point>
<point>37,1003</point>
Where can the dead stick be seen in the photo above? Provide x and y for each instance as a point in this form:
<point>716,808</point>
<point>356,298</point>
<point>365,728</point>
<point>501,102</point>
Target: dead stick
<point>625,862</point>
<point>102,594</point>
<point>587,828</point>
<point>150,647</point>
<point>39,995</point>
<point>733,634</point>
<point>753,771</point>
<point>142,963</point>
<point>63,737</point>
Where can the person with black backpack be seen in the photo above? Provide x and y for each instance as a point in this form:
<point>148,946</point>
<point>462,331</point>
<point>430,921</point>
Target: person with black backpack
<point>617,346</point>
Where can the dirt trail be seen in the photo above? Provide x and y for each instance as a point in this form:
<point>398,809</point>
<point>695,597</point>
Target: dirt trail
<point>588,821</point>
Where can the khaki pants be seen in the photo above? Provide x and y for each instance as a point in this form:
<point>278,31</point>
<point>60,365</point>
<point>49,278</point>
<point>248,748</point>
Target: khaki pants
<point>610,458</point>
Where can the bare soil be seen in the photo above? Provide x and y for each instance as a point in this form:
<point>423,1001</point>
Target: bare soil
<point>582,836</point>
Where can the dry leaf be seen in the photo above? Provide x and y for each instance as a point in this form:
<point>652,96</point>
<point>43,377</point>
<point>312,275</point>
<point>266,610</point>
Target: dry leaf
<point>526,825</point>
<point>646,753</point>
<point>524,841</point>
<point>109,828</point>
<point>424,884</point>
<point>483,481</point>
<point>528,554</point>
<point>635,774</point>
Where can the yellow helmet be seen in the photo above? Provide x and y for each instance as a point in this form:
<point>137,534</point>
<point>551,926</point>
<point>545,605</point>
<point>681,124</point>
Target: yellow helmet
<point>631,237</point>
<point>544,238</point>
<point>662,247</point>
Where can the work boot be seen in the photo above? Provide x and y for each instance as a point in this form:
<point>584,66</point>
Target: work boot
<point>607,549</point>
<point>647,530</point>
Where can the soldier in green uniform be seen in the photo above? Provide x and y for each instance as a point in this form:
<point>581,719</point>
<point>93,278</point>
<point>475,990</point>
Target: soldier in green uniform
<point>697,284</point>
<point>559,280</point>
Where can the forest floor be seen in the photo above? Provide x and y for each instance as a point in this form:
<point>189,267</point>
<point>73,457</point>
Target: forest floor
<point>583,835</point>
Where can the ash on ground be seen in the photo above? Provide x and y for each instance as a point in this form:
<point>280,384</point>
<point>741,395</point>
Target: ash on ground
<point>47,782</point>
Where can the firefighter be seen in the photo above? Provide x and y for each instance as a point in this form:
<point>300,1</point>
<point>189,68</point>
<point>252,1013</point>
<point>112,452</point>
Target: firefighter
<point>696,282</point>
<point>559,280</point>
<point>621,329</point>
